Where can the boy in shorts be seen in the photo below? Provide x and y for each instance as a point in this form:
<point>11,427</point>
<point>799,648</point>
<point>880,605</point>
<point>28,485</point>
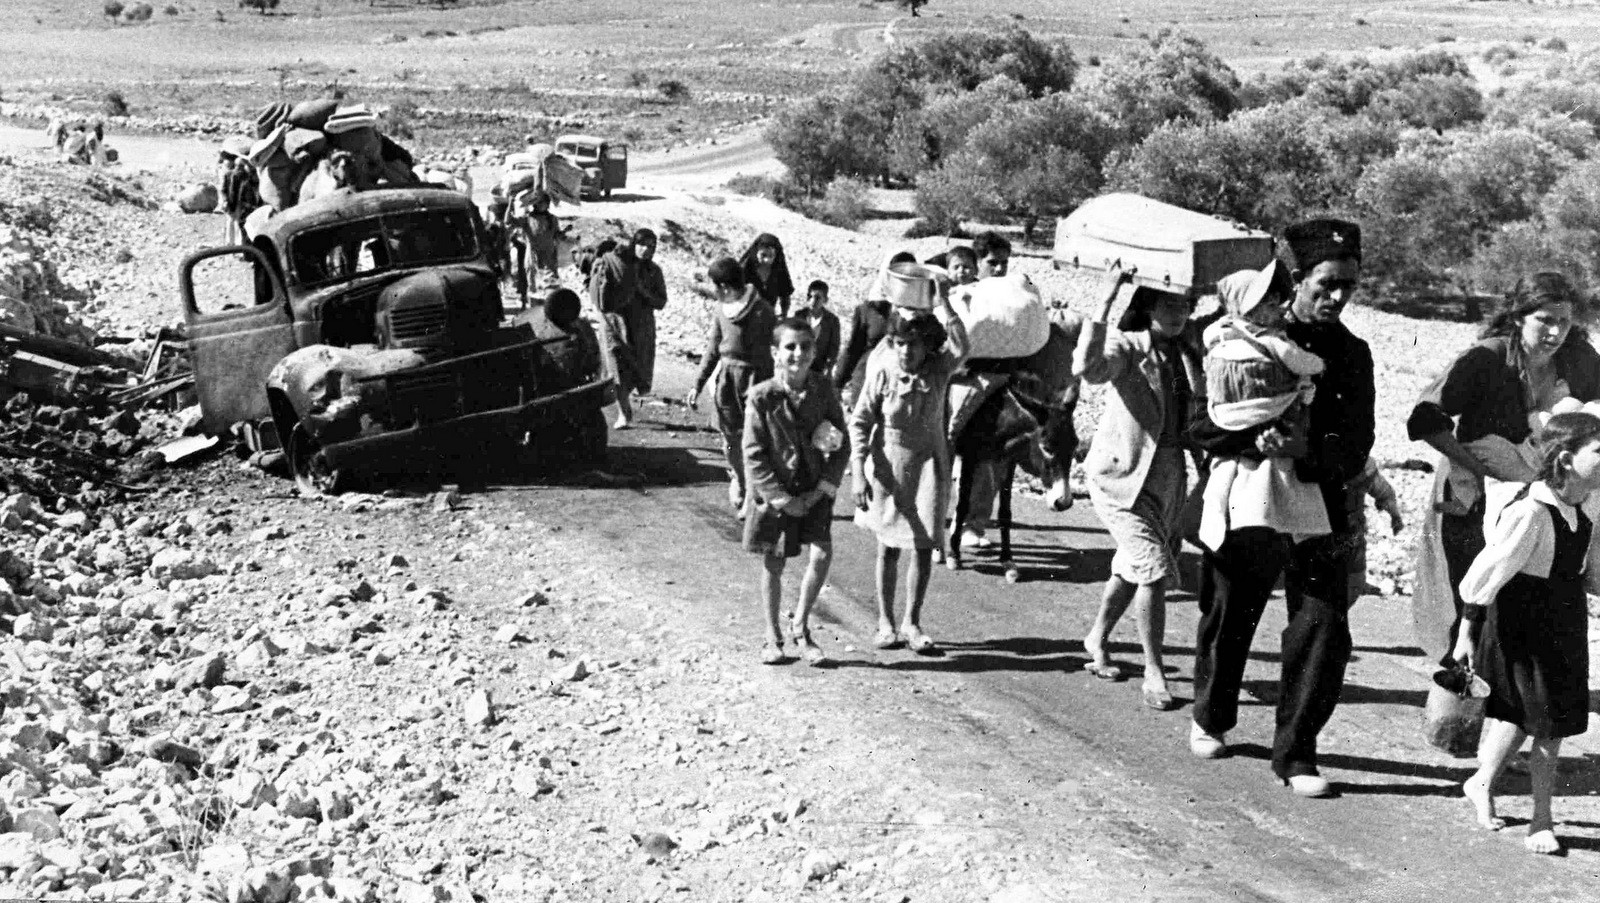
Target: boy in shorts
<point>794,456</point>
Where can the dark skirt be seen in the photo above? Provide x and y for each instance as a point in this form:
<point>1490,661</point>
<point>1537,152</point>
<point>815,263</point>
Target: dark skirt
<point>1534,655</point>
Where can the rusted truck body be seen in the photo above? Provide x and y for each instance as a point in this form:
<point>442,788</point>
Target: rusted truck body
<point>366,331</point>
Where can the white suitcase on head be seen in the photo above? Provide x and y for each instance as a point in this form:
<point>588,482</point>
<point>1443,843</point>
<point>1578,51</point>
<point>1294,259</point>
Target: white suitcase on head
<point>1164,246</point>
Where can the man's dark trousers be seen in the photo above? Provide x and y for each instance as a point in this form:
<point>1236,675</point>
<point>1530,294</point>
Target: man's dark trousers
<point>1236,584</point>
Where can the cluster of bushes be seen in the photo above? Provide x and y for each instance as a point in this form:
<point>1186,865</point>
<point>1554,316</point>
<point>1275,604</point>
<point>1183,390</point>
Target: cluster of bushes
<point>843,203</point>
<point>1458,191</point>
<point>137,12</point>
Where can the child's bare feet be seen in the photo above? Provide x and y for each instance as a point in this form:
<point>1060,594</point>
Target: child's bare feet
<point>1477,792</point>
<point>1543,842</point>
<point>916,640</point>
<point>1098,658</point>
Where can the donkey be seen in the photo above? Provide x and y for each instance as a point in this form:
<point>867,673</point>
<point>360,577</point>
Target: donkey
<point>1028,422</point>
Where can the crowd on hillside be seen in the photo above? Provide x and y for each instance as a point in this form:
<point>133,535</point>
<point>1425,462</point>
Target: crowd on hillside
<point>1247,432</point>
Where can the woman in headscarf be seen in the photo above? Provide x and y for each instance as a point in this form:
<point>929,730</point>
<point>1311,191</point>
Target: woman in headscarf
<point>650,295</point>
<point>1478,415</point>
<point>613,289</point>
<point>766,269</point>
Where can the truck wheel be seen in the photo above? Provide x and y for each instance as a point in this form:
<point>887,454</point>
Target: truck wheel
<point>608,194</point>
<point>310,468</point>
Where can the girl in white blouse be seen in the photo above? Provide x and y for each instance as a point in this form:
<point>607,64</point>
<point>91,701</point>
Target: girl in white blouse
<point>1527,618</point>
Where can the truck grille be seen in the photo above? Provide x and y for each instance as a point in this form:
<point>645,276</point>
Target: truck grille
<point>419,326</point>
<point>422,398</point>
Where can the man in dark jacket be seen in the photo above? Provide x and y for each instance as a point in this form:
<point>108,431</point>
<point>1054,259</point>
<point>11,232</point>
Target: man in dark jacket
<point>1324,258</point>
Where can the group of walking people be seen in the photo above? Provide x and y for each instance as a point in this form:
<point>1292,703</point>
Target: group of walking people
<point>1248,433</point>
<point>1274,402</point>
<point>776,377</point>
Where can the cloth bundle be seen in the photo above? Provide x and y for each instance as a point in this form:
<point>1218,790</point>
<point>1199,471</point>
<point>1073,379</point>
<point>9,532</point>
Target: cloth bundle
<point>293,144</point>
<point>1004,315</point>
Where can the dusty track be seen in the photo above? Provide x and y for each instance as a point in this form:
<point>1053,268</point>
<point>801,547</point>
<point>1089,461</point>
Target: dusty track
<point>1029,758</point>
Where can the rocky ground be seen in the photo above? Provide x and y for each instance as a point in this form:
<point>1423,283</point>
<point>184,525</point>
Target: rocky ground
<point>214,689</point>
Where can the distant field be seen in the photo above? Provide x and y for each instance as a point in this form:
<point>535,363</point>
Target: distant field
<point>487,71</point>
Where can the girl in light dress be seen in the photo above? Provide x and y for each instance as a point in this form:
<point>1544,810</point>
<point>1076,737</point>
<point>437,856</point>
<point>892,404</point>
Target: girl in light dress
<point>1525,627</point>
<point>900,458</point>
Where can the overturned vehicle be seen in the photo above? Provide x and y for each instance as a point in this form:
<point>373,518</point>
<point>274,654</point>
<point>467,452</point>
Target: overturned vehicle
<point>365,333</point>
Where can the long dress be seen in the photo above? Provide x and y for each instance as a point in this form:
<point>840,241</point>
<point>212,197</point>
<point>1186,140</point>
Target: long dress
<point>897,432</point>
<point>650,295</point>
<point>613,284</point>
<point>1534,652</point>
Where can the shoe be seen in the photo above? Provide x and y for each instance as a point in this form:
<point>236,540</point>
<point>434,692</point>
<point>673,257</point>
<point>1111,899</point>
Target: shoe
<point>1157,698</point>
<point>917,641</point>
<point>772,654</point>
<point>1206,745</point>
<point>974,539</point>
<point>735,495</point>
<point>622,423</point>
<point>1310,786</point>
<point>888,639</point>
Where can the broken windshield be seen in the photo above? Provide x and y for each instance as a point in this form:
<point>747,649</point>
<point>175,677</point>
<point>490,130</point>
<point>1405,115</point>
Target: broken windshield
<point>396,241</point>
<point>584,153</point>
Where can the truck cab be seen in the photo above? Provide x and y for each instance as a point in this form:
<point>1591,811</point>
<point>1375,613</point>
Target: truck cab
<point>366,331</point>
<point>604,163</point>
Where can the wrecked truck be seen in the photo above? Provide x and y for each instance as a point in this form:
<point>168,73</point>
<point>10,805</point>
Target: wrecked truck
<point>364,332</point>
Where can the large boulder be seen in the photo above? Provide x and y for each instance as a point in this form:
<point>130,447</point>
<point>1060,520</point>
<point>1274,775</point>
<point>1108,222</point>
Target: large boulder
<point>197,198</point>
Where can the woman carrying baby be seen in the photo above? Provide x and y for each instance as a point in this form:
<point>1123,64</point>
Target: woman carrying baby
<point>1479,415</point>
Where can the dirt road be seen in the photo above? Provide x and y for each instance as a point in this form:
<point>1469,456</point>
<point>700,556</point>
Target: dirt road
<point>1007,714</point>
<point>1031,765</point>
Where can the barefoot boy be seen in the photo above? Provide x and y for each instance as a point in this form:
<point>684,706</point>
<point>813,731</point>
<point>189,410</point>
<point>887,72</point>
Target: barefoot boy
<point>795,455</point>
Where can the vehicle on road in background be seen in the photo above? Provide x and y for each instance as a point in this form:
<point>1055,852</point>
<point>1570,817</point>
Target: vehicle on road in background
<point>366,332</point>
<point>604,163</point>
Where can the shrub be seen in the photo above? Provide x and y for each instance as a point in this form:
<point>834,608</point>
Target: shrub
<point>1501,53</point>
<point>1264,167</point>
<point>826,137</point>
<point>1173,78</point>
<point>1554,44</point>
<point>1430,101</point>
<point>170,10</point>
<point>844,204</point>
<point>954,190</point>
<point>139,12</point>
<point>1432,206</point>
<point>111,9</point>
<point>1045,155</point>
<point>401,119</point>
<point>114,104</point>
<point>963,60</point>
<point>1518,249</point>
<point>1349,86</point>
<point>772,189</point>
<point>638,79</point>
<point>920,138</point>
<point>672,90</point>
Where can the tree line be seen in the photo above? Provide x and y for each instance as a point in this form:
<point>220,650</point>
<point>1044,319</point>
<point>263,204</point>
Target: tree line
<point>1459,190</point>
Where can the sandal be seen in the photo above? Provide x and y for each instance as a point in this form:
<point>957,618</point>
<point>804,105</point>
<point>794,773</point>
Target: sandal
<point>887,639</point>
<point>809,650</point>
